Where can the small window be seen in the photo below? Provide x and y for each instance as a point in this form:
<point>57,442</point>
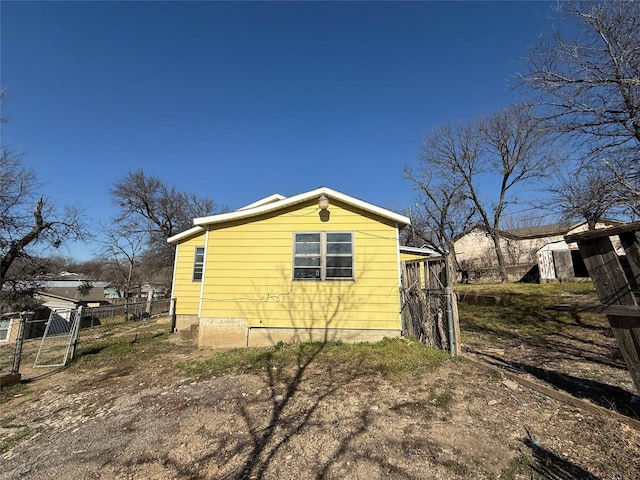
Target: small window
<point>5,328</point>
<point>198,264</point>
<point>323,256</point>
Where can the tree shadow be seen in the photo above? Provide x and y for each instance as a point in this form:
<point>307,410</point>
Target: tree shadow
<point>552,467</point>
<point>269,431</point>
<point>608,396</point>
<point>264,444</point>
<point>555,349</point>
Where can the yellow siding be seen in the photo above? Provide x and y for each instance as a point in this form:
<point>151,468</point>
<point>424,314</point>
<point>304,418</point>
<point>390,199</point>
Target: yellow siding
<point>248,273</point>
<point>185,290</point>
<point>406,256</point>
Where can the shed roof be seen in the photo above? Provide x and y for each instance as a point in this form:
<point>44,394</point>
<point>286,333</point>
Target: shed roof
<point>539,231</point>
<point>426,251</point>
<point>277,202</point>
<point>72,294</point>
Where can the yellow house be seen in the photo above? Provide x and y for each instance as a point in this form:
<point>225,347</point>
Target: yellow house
<point>319,265</point>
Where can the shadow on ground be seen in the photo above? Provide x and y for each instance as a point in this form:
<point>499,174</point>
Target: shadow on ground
<point>608,396</point>
<point>549,465</point>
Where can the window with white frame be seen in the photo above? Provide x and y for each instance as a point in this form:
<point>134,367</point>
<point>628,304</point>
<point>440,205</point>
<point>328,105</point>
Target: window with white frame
<point>323,256</point>
<point>5,329</point>
<point>198,264</point>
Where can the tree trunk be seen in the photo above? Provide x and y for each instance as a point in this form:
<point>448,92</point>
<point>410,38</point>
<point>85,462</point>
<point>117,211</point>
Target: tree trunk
<point>502,268</point>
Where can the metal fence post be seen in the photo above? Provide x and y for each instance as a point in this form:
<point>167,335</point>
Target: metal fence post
<point>452,305</point>
<point>19,341</point>
<point>172,311</point>
<point>76,333</point>
<point>453,341</point>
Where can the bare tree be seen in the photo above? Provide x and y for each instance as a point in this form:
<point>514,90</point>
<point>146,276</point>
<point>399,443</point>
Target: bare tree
<point>519,220</point>
<point>588,85</point>
<point>149,206</point>
<point>27,221</point>
<point>122,250</point>
<point>583,192</point>
<point>443,211</point>
<point>487,158</point>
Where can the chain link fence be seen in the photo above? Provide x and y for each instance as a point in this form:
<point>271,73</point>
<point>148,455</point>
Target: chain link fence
<point>101,326</point>
<point>29,340</point>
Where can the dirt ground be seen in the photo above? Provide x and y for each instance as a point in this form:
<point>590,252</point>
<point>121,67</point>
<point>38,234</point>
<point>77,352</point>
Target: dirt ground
<point>148,420</point>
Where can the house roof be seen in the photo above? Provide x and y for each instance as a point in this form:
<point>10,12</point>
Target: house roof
<point>539,231</point>
<point>72,294</point>
<point>426,251</point>
<point>278,202</point>
<point>554,229</point>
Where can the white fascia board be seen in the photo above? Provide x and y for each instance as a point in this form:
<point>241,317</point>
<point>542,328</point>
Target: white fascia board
<point>184,235</point>
<point>421,251</point>
<point>270,199</point>
<point>558,245</point>
<point>301,198</point>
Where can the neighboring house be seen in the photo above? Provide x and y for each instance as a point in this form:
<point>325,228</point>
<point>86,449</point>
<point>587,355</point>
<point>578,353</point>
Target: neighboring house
<point>63,298</point>
<point>320,265</point>
<point>562,262</point>
<point>9,325</point>
<point>70,291</point>
<point>7,331</point>
<point>476,256</point>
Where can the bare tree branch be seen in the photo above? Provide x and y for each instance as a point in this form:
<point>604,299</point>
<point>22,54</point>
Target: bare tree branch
<point>588,86</point>
<point>458,161</point>
<point>20,229</point>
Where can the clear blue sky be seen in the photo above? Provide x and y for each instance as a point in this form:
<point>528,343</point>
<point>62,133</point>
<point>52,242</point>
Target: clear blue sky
<point>236,101</point>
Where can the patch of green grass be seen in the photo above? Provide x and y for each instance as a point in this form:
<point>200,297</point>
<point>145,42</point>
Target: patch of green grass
<point>391,357</point>
<point>443,400</point>
<point>12,440</point>
<point>565,288</point>
<point>130,346</point>
<point>7,422</point>
<point>7,393</point>
<point>522,309</point>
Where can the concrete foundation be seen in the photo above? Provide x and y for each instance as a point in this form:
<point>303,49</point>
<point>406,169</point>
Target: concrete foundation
<point>226,333</point>
<point>184,322</point>
<point>223,332</point>
<point>264,337</point>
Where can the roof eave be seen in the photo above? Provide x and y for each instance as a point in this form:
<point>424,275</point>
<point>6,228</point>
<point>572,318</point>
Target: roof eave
<point>244,213</point>
<point>184,235</point>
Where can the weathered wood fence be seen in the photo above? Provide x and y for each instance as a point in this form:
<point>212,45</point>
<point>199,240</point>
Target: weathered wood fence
<point>429,307</point>
<point>617,288</point>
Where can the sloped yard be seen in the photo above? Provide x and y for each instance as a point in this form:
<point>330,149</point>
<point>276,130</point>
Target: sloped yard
<point>157,409</point>
<point>544,333</point>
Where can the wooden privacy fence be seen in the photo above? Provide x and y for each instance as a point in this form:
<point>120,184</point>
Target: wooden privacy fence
<point>617,287</point>
<point>429,308</point>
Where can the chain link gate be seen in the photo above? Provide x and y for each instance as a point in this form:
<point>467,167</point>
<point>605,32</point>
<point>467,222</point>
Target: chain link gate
<point>59,339</point>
